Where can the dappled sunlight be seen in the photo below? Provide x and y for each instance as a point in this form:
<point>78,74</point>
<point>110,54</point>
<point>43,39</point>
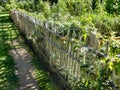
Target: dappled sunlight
<point>8,80</point>
<point>25,69</point>
<point>42,77</point>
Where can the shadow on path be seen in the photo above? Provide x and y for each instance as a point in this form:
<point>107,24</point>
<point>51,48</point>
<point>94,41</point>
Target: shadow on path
<point>25,69</point>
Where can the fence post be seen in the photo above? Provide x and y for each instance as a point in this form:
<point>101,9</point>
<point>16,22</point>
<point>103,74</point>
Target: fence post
<point>92,40</point>
<point>107,48</point>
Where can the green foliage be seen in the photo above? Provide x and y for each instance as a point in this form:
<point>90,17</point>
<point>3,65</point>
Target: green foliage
<point>44,8</point>
<point>115,45</point>
<point>10,5</point>
<point>26,5</point>
<point>52,1</point>
<point>2,9</point>
<point>113,6</point>
<point>8,79</point>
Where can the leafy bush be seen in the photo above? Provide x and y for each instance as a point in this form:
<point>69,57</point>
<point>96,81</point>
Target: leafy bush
<point>26,5</point>
<point>113,6</point>
<point>2,9</point>
<point>10,4</point>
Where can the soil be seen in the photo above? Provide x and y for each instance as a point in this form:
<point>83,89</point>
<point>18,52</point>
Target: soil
<point>24,67</point>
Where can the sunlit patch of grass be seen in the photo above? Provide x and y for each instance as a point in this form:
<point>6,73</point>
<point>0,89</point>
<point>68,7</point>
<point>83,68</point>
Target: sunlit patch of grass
<point>42,77</point>
<point>8,79</point>
<point>7,68</point>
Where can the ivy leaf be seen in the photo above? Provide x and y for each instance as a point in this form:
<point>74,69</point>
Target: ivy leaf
<point>111,65</point>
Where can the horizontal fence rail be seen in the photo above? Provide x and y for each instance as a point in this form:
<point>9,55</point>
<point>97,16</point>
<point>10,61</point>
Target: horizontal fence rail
<point>73,60</point>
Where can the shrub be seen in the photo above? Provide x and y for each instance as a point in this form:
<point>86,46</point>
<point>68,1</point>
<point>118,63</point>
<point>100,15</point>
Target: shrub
<point>26,5</point>
<point>2,9</point>
<point>113,6</point>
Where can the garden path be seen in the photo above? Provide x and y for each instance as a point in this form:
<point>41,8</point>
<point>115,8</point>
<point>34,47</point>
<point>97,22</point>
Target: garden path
<point>24,67</point>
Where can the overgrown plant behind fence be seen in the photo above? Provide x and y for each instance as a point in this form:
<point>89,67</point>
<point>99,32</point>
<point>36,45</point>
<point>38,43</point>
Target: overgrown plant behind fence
<point>75,60</point>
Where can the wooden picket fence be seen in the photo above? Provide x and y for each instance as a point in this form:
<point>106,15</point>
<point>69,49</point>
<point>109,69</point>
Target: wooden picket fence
<point>71,58</point>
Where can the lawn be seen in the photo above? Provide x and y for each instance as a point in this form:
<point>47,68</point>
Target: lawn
<point>8,79</point>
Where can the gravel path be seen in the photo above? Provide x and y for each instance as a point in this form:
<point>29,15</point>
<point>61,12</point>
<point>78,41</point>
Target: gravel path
<point>24,67</point>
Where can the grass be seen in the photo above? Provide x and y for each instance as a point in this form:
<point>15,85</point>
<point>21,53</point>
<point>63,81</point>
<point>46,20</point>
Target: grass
<point>8,79</point>
<point>42,77</point>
